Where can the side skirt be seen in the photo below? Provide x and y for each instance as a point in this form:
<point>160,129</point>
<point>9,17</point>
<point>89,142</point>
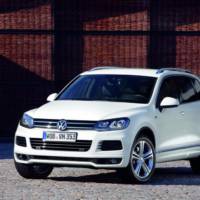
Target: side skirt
<point>184,153</point>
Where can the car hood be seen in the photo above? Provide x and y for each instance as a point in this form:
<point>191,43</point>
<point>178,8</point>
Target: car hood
<point>83,110</point>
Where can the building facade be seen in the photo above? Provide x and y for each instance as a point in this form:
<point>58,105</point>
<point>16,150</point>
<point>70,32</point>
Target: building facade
<point>45,43</point>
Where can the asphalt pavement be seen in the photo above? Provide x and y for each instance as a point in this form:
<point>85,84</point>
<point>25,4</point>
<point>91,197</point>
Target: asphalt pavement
<point>171,181</point>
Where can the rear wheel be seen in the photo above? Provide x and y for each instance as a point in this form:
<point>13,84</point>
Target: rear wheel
<point>142,161</point>
<point>39,171</point>
<point>195,165</point>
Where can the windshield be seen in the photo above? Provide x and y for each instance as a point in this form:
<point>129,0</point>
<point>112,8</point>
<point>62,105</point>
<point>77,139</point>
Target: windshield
<point>118,88</point>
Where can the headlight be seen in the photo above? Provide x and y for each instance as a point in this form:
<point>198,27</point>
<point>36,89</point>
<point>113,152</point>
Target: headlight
<point>112,124</point>
<point>26,121</point>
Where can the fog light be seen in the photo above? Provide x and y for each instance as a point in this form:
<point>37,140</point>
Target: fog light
<point>23,157</point>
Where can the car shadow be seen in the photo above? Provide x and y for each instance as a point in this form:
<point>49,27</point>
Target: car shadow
<point>162,176</point>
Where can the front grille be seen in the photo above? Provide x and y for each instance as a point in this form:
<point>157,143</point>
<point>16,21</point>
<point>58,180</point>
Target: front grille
<point>71,124</point>
<point>79,145</point>
<point>21,141</point>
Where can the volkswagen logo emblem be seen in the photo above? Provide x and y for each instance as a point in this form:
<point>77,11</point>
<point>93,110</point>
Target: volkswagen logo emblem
<point>62,125</point>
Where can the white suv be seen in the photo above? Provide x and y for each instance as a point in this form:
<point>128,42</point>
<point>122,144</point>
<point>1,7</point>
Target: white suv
<point>116,118</point>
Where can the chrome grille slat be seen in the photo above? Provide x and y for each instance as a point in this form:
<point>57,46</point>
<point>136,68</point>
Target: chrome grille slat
<point>79,145</point>
<point>61,148</point>
<point>55,145</point>
<point>44,122</point>
<point>61,145</point>
<point>77,142</point>
<point>72,124</point>
<point>50,127</point>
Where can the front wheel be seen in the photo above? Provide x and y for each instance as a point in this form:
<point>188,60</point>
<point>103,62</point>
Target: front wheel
<point>39,171</point>
<point>142,161</point>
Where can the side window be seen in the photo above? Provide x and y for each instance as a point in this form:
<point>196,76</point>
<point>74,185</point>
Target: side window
<point>196,85</point>
<point>169,88</point>
<point>188,93</point>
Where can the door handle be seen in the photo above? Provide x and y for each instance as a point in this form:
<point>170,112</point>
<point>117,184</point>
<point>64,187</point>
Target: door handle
<point>182,113</point>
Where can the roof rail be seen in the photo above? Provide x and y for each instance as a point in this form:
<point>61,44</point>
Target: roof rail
<point>173,69</point>
<point>99,68</point>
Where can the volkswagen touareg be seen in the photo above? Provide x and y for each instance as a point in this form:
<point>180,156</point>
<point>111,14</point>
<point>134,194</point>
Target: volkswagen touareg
<point>114,118</point>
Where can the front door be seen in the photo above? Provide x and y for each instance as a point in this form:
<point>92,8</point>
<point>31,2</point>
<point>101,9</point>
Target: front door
<point>170,121</point>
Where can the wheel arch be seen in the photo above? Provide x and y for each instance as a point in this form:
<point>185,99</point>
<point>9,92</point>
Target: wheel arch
<point>147,132</point>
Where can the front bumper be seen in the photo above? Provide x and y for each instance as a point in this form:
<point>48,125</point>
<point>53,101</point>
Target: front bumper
<point>94,157</point>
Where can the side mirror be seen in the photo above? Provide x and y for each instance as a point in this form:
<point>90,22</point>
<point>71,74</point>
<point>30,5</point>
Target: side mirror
<point>169,102</point>
<point>52,97</point>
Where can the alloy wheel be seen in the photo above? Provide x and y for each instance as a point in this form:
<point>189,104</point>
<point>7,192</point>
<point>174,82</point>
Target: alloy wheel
<point>142,159</point>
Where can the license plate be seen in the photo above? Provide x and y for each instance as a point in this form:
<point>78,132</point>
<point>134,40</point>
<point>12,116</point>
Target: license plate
<point>61,137</point>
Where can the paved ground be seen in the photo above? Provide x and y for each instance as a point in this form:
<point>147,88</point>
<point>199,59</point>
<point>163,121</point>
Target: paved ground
<point>171,181</point>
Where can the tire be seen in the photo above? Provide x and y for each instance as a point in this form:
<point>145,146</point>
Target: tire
<point>195,165</point>
<point>142,162</point>
<point>33,171</point>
